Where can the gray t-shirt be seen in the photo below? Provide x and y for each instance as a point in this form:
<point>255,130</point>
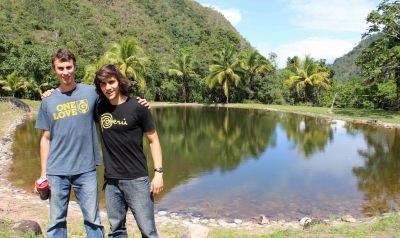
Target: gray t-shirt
<point>69,117</point>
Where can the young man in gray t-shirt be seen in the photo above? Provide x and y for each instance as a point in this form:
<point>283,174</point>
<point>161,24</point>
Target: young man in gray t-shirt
<point>68,148</point>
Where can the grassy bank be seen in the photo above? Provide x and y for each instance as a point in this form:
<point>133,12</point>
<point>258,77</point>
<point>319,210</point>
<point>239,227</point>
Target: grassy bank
<point>339,113</point>
<point>8,114</point>
<point>388,227</point>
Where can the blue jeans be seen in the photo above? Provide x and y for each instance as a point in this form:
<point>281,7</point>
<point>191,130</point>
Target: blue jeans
<point>86,193</point>
<point>134,194</point>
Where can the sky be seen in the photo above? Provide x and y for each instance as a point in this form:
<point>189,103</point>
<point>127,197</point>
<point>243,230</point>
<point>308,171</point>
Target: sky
<point>323,29</point>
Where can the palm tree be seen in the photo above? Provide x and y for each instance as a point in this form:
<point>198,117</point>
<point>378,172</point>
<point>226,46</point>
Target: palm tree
<point>91,69</point>
<point>306,76</point>
<point>31,85</point>
<point>254,64</point>
<point>90,72</point>
<point>130,59</point>
<point>225,68</point>
<point>12,83</point>
<point>183,70</point>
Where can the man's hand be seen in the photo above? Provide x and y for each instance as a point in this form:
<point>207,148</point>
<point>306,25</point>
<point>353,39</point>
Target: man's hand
<point>39,181</point>
<point>46,94</point>
<point>143,102</point>
<point>157,184</point>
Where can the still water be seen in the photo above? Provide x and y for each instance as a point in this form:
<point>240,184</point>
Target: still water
<point>239,163</point>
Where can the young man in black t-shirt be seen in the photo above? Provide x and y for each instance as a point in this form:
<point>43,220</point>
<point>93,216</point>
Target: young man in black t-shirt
<point>123,122</point>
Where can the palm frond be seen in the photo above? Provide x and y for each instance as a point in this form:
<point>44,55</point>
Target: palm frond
<point>175,72</point>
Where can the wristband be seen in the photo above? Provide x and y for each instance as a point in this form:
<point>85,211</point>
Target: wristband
<point>158,170</point>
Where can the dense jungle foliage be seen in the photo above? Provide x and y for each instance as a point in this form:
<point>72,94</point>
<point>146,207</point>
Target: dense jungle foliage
<point>369,75</point>
<point>178,50</point>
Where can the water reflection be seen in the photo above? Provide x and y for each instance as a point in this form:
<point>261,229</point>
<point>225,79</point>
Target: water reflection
<point>242,163</point>
<point>26,164</point>
<point>308,134</point>
<point>379,177</point>
<point>200,140</point>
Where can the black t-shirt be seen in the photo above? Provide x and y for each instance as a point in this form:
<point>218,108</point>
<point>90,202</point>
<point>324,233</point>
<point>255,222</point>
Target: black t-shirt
<point>122,127</point>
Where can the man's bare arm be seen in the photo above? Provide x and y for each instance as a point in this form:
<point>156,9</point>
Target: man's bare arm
<point>157,184</point>
<point>141,101</point>
<point>44,152</point>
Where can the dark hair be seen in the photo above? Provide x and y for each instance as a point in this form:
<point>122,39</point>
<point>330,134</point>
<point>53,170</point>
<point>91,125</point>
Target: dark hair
<point>107,71</point>
<point>63,55</point>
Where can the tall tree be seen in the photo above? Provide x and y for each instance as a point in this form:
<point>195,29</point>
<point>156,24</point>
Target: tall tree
<point>254,64</point>
<point>130,58</point>
<point>183,70</point>
<point>307,76</point>
<point>224,69</point>
<point>380,61</point>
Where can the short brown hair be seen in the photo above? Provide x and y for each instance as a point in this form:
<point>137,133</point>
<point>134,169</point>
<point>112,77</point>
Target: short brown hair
<point>63,55</point>
<point>108,71</point>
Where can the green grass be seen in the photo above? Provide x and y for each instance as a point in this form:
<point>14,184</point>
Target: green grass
<point>8,114</point>
<point>76,228</point>
<point>340,113</point>
<point>388,227</point>
<point>32,103</point>
<point>372,114</point>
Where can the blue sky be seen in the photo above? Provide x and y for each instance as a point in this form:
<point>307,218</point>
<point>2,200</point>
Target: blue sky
<point>321,28</point>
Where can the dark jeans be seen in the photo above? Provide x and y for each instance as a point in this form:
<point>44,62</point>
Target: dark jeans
<point>134,194</point>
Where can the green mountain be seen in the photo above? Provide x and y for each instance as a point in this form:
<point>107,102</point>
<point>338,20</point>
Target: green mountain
<point>32,30</point>
<point>345,67</point>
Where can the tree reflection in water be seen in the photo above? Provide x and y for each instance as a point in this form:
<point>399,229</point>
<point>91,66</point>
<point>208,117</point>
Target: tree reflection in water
<point>379,178</point>
<point>200,140</point>
<point>309,134</point>
<point>26,146</point>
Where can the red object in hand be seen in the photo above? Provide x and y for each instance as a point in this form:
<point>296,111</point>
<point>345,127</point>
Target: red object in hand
<point>42,186</point>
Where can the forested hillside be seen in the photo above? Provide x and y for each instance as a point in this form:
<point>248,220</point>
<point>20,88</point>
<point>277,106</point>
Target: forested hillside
<point>345,67</point>
<point>88,27</point>
<point>32,30</point>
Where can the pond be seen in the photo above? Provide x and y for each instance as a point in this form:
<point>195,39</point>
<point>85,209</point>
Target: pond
<point>239,163</point>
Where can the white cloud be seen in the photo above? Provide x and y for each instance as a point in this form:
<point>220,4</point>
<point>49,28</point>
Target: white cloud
<point>233,15</point>
<point>317,48</point>
<point>333,15</point>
